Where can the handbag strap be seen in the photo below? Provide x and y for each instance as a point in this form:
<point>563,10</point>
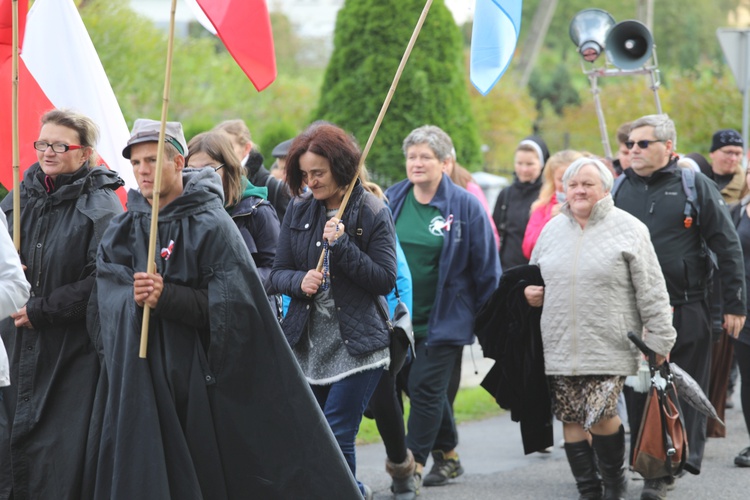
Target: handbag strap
<point>383,312</point>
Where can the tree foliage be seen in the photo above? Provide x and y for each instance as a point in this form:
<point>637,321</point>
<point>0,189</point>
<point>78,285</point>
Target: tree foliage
<point>698,105</point>
<point>684,30</point>
<point>207,86</point>
<point>693,76</point>
<point>369,41</point>
<point>504,116</point>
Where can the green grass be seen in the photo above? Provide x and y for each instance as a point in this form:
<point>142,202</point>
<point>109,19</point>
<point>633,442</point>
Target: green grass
<point>472,403</point>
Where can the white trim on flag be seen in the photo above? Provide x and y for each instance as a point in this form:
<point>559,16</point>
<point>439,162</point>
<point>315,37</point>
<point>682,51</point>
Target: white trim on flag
<point>70,73</point>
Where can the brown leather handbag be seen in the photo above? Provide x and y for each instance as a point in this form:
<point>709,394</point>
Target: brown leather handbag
<point>661,448</point>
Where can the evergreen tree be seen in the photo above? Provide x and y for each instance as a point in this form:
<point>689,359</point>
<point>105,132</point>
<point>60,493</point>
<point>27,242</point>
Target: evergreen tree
<point>369,41</point>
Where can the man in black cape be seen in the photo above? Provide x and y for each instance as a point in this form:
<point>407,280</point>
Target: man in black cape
<point>219,408</point>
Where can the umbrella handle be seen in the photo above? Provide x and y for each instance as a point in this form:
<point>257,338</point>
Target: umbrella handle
<point>650,354</point>
<point>640,344</point>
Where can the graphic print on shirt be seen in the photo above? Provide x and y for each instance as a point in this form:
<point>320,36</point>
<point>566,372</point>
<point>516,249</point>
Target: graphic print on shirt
<point>438,224</point>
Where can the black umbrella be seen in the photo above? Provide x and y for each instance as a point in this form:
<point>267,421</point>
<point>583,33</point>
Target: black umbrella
<point>690,392</point>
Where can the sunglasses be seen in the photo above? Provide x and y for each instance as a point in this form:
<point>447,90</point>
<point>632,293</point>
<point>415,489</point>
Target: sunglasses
<point>641,144</point>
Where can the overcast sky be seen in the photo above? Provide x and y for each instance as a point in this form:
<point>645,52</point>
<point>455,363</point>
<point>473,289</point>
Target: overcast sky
<point>462,10</point>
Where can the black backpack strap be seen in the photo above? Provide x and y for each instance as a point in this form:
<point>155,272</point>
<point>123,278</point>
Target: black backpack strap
<point>688,186</point>
<point>618,182</point>
<point>275,188</point>
<point>357,231</point>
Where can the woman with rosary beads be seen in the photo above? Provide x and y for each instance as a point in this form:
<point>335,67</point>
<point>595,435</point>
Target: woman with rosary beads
<point>335,323</point>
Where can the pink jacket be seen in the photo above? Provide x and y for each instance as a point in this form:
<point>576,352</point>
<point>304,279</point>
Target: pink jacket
<point>539,217</point>
<point>474,189</point>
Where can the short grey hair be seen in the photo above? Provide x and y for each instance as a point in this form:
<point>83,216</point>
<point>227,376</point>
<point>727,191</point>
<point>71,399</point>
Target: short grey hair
<point>664,129</point>
<point>438,141</point>
<point>604,173</point>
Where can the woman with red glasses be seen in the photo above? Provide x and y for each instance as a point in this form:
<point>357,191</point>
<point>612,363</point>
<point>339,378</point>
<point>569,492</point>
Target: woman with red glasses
<point>66,203</point>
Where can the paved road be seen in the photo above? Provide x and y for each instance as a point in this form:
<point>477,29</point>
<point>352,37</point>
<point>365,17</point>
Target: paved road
<point>496,468</point>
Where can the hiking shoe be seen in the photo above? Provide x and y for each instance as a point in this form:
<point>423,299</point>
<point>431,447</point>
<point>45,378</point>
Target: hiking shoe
<point>743,459</point>
<point>442,469</point>
<point>656,489</point>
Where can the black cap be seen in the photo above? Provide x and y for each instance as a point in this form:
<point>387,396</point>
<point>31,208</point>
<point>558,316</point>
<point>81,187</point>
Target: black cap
<point>726,137</point>
<point>281,149</point>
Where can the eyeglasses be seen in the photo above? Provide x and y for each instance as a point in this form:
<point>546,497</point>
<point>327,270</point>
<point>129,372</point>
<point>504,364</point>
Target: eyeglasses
<point>57,147</point>
<point>731,152</point>
<point>641,144</point>
<point>216,169</point>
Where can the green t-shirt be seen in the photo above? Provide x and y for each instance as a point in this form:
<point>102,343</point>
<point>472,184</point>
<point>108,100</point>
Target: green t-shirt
<point>420,232</point>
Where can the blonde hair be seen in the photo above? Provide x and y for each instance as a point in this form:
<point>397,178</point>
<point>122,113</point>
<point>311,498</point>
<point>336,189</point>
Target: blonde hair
<point>237,131</point>
<point>561,159</point>
<point>370,186</point>
<point>460,176</point>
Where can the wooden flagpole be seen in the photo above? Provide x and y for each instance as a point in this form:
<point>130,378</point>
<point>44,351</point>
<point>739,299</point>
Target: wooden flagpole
<point>157,180</point>
<point>15,147</point>
<point>381,115</point>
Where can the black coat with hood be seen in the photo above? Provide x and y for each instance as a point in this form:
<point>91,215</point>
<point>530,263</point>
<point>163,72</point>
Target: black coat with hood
<point>219,409</point>
<point>54,368</point>
<point>259,226</point>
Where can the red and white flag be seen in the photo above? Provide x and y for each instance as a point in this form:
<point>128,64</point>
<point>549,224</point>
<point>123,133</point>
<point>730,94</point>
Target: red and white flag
<point>58,68</point>
<point>245,29</point>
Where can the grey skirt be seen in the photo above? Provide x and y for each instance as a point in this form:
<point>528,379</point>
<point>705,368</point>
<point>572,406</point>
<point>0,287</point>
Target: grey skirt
<point>585,399</point>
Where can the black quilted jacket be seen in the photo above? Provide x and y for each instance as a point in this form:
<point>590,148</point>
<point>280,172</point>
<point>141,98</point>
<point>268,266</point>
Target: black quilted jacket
<point>363,268</point>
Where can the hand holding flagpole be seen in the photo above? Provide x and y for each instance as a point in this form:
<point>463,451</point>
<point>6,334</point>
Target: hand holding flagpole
<point>157,180</point>
<point>381,115</point>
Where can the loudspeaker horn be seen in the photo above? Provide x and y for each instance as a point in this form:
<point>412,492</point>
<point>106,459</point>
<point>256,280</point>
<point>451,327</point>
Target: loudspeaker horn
<point>588,30</point>
<point>629,44</point>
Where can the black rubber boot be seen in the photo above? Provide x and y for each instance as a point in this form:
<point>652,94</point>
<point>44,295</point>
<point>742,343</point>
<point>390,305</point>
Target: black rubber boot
<point>583,465</point>
<point>611,453</point>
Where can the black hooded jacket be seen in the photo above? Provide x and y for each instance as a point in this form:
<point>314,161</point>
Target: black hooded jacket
<point>53,366</point>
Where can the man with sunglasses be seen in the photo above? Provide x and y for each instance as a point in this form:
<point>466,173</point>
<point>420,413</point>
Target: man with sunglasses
<point>680,230</point>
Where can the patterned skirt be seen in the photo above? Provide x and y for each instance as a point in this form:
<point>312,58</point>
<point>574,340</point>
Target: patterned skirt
<point>585,399</point>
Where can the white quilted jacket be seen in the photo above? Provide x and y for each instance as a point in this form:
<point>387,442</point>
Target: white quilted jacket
<point>600,283</point>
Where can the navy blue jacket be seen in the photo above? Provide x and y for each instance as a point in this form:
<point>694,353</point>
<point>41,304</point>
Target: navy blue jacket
<point>259,226</point>
<point>469,264</point>
<point>363,268</point>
